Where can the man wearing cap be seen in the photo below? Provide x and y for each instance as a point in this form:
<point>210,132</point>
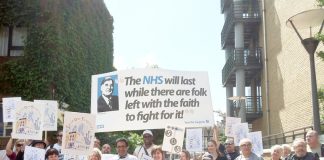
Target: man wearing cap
<point>107,101</point>
<point>145,149</point>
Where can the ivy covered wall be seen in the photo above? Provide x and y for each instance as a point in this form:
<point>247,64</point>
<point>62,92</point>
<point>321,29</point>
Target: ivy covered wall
<point>67,42</point>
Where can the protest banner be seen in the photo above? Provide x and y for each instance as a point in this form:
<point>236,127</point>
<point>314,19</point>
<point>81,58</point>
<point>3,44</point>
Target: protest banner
<point>240,131</point>
<point>150,98</point>
<point>33,153</point>
<point>9,107</point>
<point>77,157</point>
<point>50,114</point>
<point>194,139</point>
<point>28,123</point>
<point>256,138</point>
<point>230,121</point>
<point>173,139</point>
<point>78,133</point>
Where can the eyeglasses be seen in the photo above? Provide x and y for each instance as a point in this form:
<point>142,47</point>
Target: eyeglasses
<point>245,145</point>
<point>121,146</point>
<point>228,143</point>
<point>19,145</point>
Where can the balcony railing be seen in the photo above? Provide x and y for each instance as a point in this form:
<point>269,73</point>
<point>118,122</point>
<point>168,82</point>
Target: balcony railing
<point>242,58</point>
<point>285,137</point>
<point>239,11</point>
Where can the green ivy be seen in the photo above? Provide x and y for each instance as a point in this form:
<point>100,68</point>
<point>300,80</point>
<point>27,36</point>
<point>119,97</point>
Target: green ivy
<point>67,42</point>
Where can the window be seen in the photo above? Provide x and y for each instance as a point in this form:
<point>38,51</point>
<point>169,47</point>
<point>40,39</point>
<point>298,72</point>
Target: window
<point>12,40</point>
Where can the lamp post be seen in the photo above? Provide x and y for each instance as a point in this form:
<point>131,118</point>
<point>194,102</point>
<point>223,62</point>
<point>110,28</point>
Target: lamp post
<point>305,20</point>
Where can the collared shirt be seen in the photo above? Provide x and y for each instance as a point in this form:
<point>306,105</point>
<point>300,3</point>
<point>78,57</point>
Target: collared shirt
<point>108,101</point>
<point>127,157</point>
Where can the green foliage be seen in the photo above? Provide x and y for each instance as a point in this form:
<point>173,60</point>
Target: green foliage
<point>67,42</point>
<point>321,103</point>
<point>320,3</point>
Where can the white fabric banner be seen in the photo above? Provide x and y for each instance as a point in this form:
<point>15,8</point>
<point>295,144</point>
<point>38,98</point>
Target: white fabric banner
<point>150,98</point>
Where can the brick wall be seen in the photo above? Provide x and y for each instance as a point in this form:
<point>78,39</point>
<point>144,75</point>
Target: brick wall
<point>290,103</point>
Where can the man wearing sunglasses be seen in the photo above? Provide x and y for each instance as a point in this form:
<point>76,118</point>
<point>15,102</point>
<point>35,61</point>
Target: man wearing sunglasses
<point>230,151</point>
<point>19,147</point>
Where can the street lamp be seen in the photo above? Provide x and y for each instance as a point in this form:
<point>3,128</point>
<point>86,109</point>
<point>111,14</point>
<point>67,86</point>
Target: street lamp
<point>305,20</point>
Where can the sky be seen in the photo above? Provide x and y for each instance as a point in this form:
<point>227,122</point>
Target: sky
<point>183,35</point>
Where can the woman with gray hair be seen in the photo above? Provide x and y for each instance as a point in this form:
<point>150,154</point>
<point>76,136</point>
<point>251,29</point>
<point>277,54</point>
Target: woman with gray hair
<point>286,150</point>
<point>276,152</point>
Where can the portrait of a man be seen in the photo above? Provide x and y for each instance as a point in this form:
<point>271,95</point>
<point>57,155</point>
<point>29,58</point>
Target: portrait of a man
<point>107,101</point>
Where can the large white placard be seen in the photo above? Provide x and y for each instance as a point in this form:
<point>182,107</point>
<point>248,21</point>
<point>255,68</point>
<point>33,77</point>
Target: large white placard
<point>33,153</point>
<point>194,139</point>
<point>240,131</point>
<point>9,107</point>
<point>256,138</point>
<point>230,121</point>
<point>150,98</point>
<point>78,133</point>
<point>173,139</point>
<point>50,114</point>
<point>28,122</point>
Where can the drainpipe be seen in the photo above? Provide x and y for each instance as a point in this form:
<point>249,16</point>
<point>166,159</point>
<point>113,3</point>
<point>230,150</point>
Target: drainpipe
<point>266,67</point>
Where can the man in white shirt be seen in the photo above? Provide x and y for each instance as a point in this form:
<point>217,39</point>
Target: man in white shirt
<point>313,144</point>
<point>122,148</point>
<point>145,149</point>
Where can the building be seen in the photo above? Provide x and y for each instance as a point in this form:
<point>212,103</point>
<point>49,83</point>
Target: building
<point>267,66</point>
<point>50,49</point>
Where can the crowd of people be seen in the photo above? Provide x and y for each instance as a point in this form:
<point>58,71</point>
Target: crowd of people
<point>300,149</point>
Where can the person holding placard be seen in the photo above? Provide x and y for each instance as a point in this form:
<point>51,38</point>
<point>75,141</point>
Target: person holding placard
<point>19,144</point>
<point>213,150</point>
